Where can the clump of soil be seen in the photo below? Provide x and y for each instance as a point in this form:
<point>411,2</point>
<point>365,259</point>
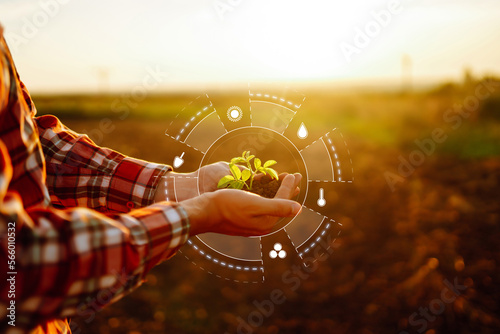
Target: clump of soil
<point>266,187</point>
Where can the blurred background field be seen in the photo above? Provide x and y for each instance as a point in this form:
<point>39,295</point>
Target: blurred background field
<point>397,247</point>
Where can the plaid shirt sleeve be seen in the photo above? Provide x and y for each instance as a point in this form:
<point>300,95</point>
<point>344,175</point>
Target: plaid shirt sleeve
<point>71,260</point>
<point>79,173</point>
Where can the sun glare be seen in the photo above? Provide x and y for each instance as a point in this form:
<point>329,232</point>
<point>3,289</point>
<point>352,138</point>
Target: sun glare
<point>225,41</point>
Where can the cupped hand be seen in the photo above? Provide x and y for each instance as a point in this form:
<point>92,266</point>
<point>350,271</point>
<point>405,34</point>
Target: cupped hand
<point>282,188</point>
<point>236,212</point>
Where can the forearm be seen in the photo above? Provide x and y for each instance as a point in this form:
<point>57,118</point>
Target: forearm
<point>80,173</point>
<point>67,258</point>
<point>177,187</point>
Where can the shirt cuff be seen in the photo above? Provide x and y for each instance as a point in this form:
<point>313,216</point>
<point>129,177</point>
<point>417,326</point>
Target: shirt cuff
<point>133,184</point>
<point>167,227</point>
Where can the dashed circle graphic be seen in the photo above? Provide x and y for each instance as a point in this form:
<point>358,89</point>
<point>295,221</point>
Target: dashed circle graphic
<point>270,126</point>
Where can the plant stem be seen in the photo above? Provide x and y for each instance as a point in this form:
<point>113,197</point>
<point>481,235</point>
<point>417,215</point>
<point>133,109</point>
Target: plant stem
<point>251,177</point>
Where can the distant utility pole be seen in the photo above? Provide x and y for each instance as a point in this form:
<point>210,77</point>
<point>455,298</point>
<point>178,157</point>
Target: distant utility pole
<point>406,73</point>
<point>469,80</point>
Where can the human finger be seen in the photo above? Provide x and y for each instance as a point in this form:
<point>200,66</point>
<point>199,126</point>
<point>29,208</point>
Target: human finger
<point>288,186</point>
<point>277,207</point>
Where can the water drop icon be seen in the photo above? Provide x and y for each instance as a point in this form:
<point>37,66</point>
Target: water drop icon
<point>302,133</point>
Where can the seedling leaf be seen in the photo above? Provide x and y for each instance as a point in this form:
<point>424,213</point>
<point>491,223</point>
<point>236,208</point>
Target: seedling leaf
<point>238,160</point>
<point>239,179</point>
<point>272,172</point>
<point>235,170</point>
<point>269,163</point>
<point>236,184</point>
<point>225,181</point>
<point>245,175</point>
<point>257,163</point>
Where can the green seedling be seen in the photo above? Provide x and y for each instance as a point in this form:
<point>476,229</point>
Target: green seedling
<point>244,178</point>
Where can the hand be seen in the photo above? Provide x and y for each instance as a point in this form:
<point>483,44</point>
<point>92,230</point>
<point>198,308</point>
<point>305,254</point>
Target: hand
<point>182,186</point>
<point>237,212</point>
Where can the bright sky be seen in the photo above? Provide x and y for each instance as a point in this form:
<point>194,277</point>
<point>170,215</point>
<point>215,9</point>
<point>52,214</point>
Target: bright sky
<point>63,45</point>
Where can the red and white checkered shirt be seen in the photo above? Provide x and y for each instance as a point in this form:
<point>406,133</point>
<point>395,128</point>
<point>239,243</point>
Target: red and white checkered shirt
<point>78,229</point>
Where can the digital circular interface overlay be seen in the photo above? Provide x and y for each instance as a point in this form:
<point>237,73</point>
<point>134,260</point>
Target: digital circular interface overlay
<point>271,126</point>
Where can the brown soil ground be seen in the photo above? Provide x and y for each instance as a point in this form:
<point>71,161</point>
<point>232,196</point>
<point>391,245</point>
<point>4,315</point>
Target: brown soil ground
<point>266,187</point>
<point>398,247</point>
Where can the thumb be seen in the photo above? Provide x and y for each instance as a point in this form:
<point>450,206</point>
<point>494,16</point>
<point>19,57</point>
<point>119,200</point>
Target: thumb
<point>278,207</point>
